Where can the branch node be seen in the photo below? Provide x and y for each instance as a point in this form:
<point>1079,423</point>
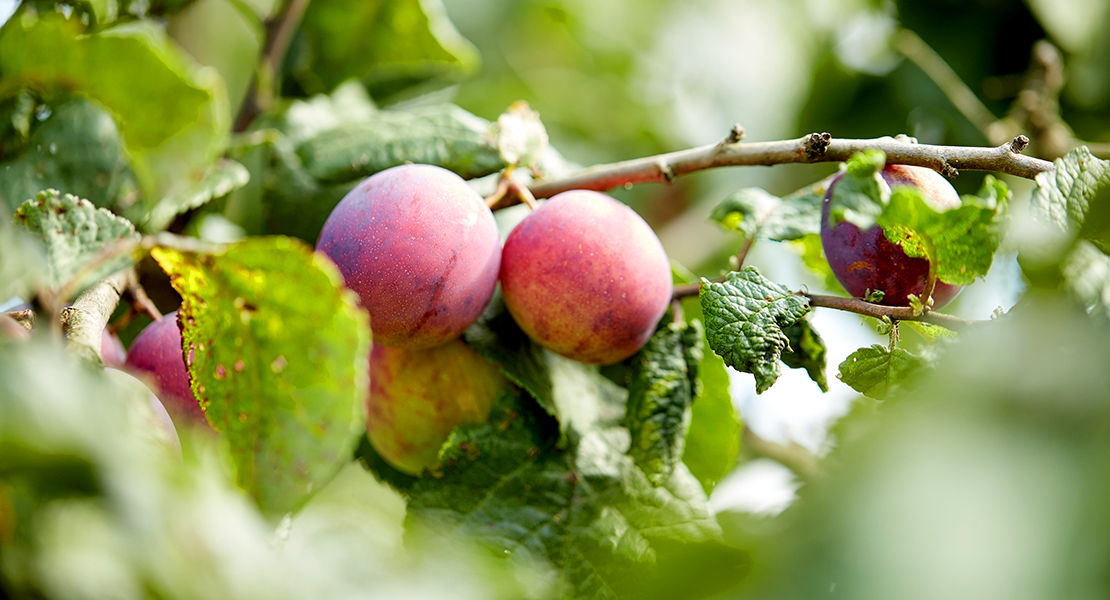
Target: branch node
<point>1018,144</point>
<point>736,134</point>
<point>816,144</point>
<point>665,170</point>
<point>905,139</point>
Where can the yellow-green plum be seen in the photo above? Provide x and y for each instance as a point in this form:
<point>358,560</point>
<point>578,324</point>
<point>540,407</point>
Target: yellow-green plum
<point>418,396</point>
<point>586,277</point>
<point>420,248</point>
<point>867,260</point>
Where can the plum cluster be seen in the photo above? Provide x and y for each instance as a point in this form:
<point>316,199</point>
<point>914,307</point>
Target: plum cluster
<point>583,275</point>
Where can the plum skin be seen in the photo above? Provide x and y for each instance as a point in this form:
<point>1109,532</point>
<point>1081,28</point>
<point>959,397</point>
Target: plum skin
<point>586,277</point>
<point>420,248</point>
<point>867,260</point>
<point>418,396</point>
<point>157,355</point>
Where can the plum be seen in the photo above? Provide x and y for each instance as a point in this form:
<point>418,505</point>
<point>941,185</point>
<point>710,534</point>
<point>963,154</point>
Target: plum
<point>156,354</point>
<point>867,261</point>
<point>586,277</point>
<point>111,350</point>
<point>418,396</point>
<point>420,248</point>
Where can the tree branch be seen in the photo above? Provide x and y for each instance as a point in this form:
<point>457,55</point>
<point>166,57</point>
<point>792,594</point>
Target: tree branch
<point>279,34</point>
<point>813,148</point>
<point>83,323</point>
<point>895,313</point>
<point>792,456</point>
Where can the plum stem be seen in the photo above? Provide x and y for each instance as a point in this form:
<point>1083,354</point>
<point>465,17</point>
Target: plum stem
<point>509,193</point>
<point>812,148</point>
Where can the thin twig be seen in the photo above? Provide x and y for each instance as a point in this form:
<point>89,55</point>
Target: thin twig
<point>792,456</point>
<point>813,148</point>
<point>279,34</point>
<point>897,313</point>
<point>961,96</point>
<point>142,303</point>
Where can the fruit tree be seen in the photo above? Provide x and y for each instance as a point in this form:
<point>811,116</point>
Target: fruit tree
<point>399,298</point>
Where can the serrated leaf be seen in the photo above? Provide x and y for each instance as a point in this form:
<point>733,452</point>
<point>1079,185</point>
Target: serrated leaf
<point>348,104</point>
<point>664,383</point>
<point>807,351</point>
<point>171,141</point>
<point>278,356</point>
<point>221,179</point>
<point>960,241</point>
<point>388,45</point>
<point>713,439</point>
<point>861,193</point>
<point>78,149</point>
<point>589,512</point>
<point>1087,276</point>
<point>876,371</point>
<point>744,321</point>
<point>442,135</point>
<point>1066,193</point>
<point>74,233</point>
<point>759,214</point>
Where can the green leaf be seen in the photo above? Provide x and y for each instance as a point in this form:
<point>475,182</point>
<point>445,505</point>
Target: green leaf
<point>1087,276</point>
<point>664,383</point>
<point>388,45</point>
<point>590,512</point>
<point>22,262</point>
<point>77,149</point>
<point>744,321</point>
<point>171,140</point>
<point>278,357</point>
<point>861,193</point>
<point>1067,192</point>
<point>877,372</point>
<point>807,351</point>
<point>961,242</point>
<point>75,234</point>
<point>443,135</point>
<point>713,439</point>
<point>758,214</point>
<point>222,178</point>
<point>930,332</point>
<point>496,337</point>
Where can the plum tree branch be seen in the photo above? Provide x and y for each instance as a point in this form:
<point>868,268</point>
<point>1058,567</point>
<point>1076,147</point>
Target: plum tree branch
<point>83,323</point>
<point>895,313</point>
<point>279,34</point>
<point>813,148</point>
<point>792,456</point>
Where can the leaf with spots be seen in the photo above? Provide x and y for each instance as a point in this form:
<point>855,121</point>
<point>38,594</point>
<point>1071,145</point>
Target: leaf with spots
<point>278,356</point>
<point>75,233</point>
<point>744,321</point>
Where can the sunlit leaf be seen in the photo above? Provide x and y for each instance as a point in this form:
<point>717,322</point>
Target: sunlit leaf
<point>278,358</point>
